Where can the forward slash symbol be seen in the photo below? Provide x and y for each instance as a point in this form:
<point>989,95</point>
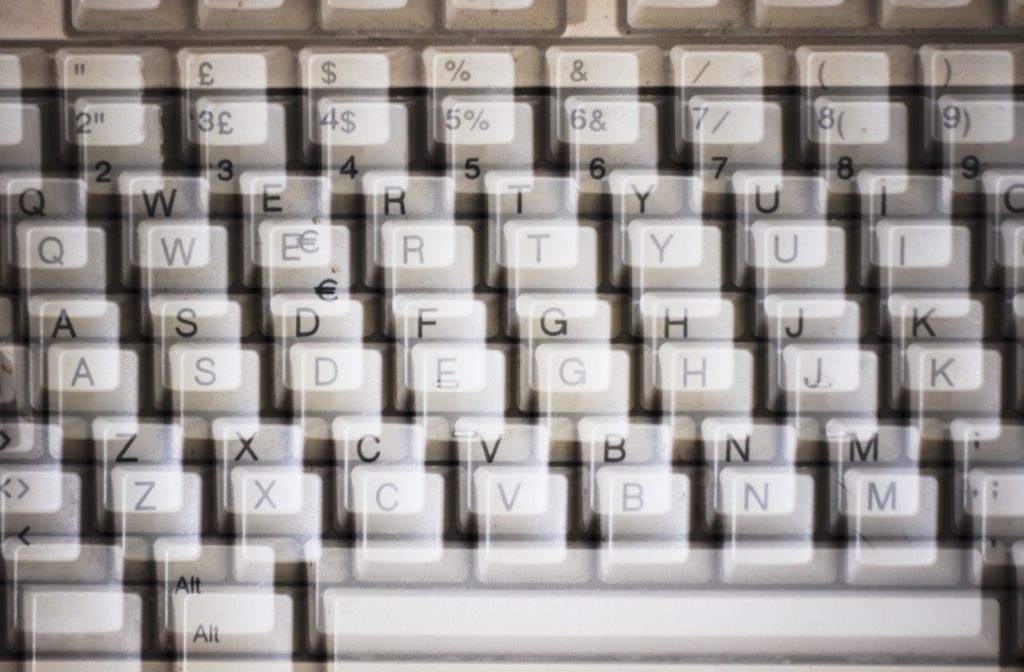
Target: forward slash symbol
<point>701,73</point>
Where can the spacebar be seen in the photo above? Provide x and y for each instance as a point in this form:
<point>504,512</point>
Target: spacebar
<point>963,625</point>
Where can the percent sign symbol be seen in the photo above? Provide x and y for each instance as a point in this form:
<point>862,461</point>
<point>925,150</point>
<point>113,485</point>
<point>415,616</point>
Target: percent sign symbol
<point>476,120</point>
<point>458,70</point>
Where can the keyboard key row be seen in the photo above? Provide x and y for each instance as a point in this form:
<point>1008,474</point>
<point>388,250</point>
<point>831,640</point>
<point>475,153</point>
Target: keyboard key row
<point>418,16</point>
<point>535,16</point>
<point>617,68</point>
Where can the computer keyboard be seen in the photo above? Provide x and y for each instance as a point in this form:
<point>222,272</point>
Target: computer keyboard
<point>511,334</point>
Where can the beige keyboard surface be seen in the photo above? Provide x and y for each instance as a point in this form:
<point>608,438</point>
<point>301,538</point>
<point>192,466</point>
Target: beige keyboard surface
<point>518,334</point>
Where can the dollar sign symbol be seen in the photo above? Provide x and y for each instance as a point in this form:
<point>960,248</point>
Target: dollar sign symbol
<point>329,77</point>
<point>348,123</point>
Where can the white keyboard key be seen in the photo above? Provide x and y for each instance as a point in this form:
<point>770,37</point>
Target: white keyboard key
<point>896,193</point>
<point>707,377</point>
<point>746,561</point>
<point>642,501</point>
<point>902,14</point>
<point>349,123</point>
<point>954,624</point>
<point>251,69</point>
<point>976,120</point>
<point>902,563</point>
<point>213,378</point>
<point>727,121</point>
<point>62,619</point>
<point>540,254</point>
<point>552,316</point>
<point>996,501</point>
<point>336,377</point>
<point>579,378</point>
<point>666,315</point>
<point>812,316</point>
<point>188,254</point>
<point>39,500</point>
<point>919,254</point>
<point>379,68</point>
<point>959,378</point>
<point>615,68</point>
<point>699,68</point>
<point>976,131</point>
<point>682,14</point>
<point>107,123</point>
<point>828,68</point>
<point>795,254</point>
<point>92,378</point>
<point>497,69</point>
<point>425,255</point>
<point>891,503</point>
<point>61,255</point>
<point>71,562</point>
<point>971,66</point>
<point>509,16</point>
<point>731,440</point>
<point>409,561</point>
<point>948,316</point>
<point>130,70</point>
<point>250,15</point>
<point>138,489</point>
<point>377,15</point>
<point>868,131</point>
<point>454,378</point>
<point>154,499</point>
<point>392,499</point>
<point>20,135</point>
<point>514,501</point>
<point>64,246</point>
<point>766,500</point>
<point>761,193</point>
<point>811,14</point>
<point>297,316</point>
<point>472,121</point>
<point>31,492</point>
<point>835,379</point>
<point>177,317</point>
<point>417,315</point>
<point>232,622</point>
<point>988,439</point>
<point>295,255</point>
<point>266,491</point>
<point>222,122</point>
<point>725,133</point>
<point>136,16</point>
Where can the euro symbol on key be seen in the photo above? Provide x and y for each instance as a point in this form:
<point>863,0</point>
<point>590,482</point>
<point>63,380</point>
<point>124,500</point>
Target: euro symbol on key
<point>307,242</point>
<point>327,288</point>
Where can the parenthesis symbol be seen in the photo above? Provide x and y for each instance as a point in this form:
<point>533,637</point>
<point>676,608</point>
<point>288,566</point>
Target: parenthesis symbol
<point>821,75</point>
<point>967,122</point>
<point>839,126</point>
<point>949,72</point>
